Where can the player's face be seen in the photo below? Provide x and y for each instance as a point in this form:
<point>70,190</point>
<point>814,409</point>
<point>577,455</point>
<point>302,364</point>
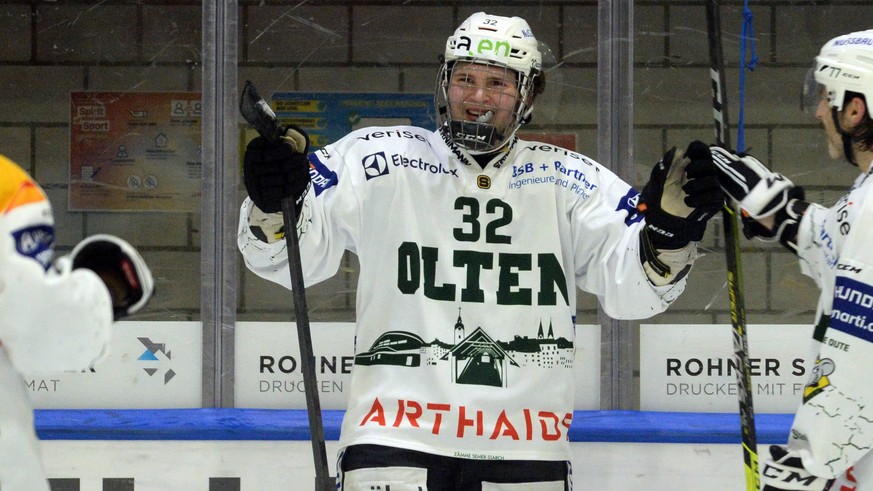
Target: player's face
<point>483,93</point>
<point>823,113</point>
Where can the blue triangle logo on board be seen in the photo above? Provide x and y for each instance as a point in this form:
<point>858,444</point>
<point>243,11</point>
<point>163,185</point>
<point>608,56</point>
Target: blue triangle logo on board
<point>147,355</point>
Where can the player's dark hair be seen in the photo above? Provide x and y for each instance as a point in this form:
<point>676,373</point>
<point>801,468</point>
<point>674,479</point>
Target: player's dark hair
<point>862,134</point>
<point>539,85</point>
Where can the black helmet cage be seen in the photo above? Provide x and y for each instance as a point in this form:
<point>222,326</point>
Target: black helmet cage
<point>483,137</point>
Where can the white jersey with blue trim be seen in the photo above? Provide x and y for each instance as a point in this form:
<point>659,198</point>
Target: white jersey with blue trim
<point>821,236</point>
<point>466,297</point>
<point>833,428</point>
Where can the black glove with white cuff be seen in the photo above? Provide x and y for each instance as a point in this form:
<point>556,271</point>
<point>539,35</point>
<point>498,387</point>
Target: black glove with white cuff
<point>275,171</point>
<point>682,194</point>
<point>762,195</point>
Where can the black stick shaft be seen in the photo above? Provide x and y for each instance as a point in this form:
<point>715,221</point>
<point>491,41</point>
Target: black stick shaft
<point>258,113</point>
<point>732,257</point>
<point>323,481</point>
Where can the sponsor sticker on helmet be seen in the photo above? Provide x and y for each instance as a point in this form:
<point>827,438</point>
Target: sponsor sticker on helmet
<point>36,243</point>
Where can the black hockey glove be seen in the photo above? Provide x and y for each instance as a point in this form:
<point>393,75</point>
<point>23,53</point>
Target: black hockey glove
<point>275,171</point>
<point>784,472</point>
<point>761,193</point>
<point>122,269</point>
<point>681,196</point>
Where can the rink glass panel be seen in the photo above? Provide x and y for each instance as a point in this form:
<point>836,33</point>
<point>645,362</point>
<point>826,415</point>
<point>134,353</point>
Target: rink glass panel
<point>58,48</point>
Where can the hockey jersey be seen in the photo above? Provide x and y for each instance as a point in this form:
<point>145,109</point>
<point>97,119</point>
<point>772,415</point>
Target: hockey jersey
<point>833,428</point>
<point>466,296</point>
<point>51,319</point>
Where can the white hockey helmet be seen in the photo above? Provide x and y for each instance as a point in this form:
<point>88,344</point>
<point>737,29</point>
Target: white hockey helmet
<point>506,42</point>
<point>845,63</point>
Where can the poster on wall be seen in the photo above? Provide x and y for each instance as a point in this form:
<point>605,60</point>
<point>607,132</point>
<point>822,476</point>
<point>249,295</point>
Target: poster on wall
<point>328,116</point>
<point>691,367</point>
<point>149,364</point>
<point>135,151</point>
<point>268,374</point>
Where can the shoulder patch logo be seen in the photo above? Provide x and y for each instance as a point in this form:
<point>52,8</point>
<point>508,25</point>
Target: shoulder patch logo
<point>628,203</point>
<point>322,178</point>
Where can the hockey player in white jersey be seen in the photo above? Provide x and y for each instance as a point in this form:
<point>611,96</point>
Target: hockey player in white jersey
<point>55,314</point>
<point>471,243</point>
<point>831,437</point>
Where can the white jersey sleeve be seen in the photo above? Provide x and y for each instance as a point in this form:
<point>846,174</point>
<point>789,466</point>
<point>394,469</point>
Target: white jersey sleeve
<point>611,268</point>
<point>54,318</point>
<point>821,236</point>
<point>325,227</point>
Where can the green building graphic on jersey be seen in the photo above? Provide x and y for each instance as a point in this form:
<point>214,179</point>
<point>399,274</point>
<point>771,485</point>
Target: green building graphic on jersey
<point>474,359</point>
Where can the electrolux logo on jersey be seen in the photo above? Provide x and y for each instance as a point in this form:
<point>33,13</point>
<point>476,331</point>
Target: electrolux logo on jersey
<point>375,165</point>
<point>422,165</point>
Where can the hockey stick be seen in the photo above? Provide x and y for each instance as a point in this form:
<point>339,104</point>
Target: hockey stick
<point>732,256</point>
<point>257,113</point>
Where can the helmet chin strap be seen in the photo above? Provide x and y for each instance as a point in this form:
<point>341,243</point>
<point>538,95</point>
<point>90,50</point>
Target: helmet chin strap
<point>848,148</point>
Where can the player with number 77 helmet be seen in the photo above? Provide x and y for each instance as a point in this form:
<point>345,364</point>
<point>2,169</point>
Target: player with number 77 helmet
<point>832,434</point>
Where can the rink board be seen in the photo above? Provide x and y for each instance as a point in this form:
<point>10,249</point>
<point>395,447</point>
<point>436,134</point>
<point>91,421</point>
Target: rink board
<point>275,424</point>
<point>254,449</point>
